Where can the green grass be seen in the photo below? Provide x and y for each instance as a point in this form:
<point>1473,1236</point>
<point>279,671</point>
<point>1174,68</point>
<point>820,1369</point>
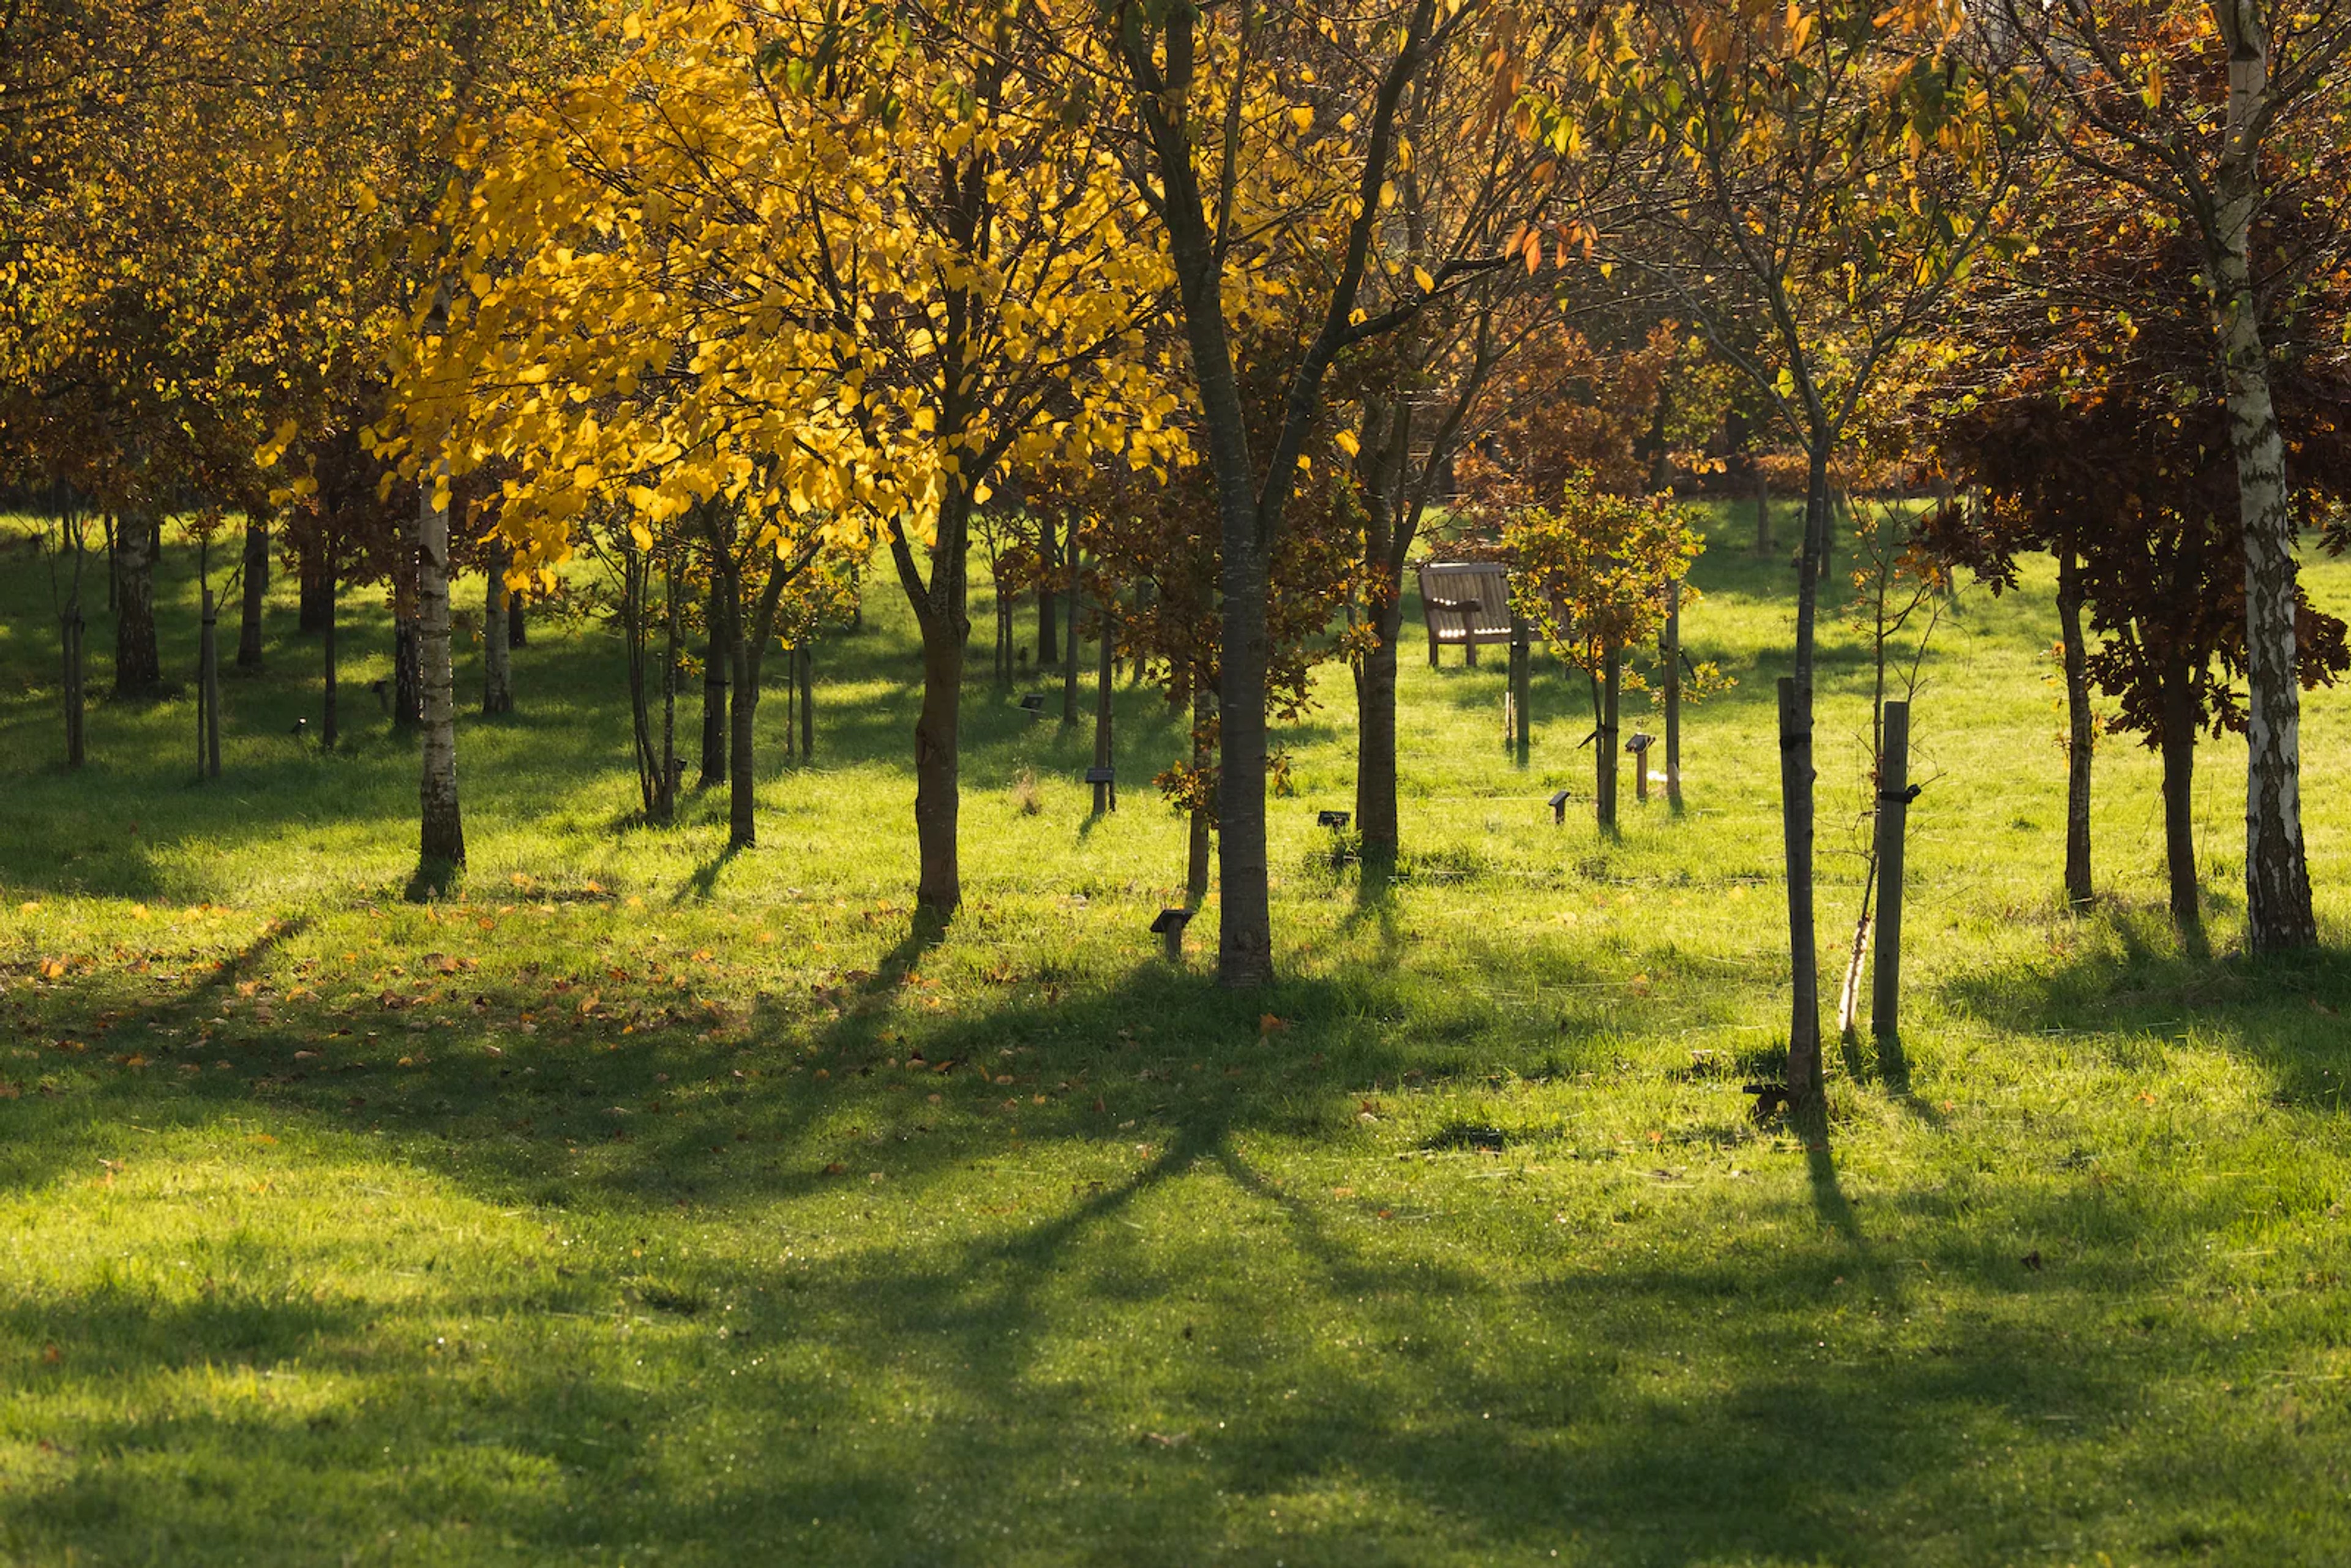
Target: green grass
<point>603,1212</point>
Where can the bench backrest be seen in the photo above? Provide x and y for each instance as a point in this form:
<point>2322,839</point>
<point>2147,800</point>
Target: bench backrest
<point>1486,584</point>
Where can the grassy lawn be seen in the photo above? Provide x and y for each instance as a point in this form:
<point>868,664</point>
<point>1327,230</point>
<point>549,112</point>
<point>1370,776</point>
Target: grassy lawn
<point>638,1204</point>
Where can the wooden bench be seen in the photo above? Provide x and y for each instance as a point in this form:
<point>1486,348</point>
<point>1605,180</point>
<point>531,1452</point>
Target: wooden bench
<point>1465,603</point>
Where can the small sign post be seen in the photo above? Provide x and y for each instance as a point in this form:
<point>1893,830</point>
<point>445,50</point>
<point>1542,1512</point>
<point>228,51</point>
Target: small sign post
<point>1169,928</point>
<point>1638,744</point>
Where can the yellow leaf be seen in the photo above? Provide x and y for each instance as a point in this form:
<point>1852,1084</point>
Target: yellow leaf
<point>1345,441</point>
<point>1428,284</point>
<point>1302,117</point>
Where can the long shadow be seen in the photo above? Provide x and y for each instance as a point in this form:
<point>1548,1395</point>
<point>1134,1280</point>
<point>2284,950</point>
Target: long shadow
<point>701,884</point>
<point>927,1387</point>
<point>2132,974</point>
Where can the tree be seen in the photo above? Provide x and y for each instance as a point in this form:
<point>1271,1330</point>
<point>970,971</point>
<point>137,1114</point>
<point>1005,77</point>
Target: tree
<point>1440,384</point>
<point>1589,573</point>
<point>2145,535</point>
<point>442,841</point>
<point>1254,201</point>
<point>838,272</point>
<point>1153,541</point>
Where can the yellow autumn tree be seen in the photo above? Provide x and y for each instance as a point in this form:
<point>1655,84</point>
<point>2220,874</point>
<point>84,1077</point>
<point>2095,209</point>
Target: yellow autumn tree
<point>834,272</point>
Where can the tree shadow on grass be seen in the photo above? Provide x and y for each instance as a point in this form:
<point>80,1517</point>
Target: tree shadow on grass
<point>1201,1354</point>
<point>2127,974</point>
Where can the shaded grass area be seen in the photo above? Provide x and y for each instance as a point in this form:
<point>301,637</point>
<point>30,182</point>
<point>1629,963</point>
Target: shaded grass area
<point>638,1204</point>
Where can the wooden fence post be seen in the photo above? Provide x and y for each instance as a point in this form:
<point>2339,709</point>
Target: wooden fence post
<point>1894,793</point>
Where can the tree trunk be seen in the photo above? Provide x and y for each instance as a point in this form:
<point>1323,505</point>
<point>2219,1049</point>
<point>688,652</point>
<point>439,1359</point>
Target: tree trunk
<point>1196,860</point>
<point>937,788</point>
<point>1805,1086</point>
<point>1105,794</point>
<point>1070,644</point>
<point>748,645</point>
<point>1245,951</point>
<point>791,703</point>
<point>1388,528</point>
<point>256,587</point>
<point>208,763</point>
<point>407,674</point>
<point>2178,744</point>
<point>1672,650</point>
<point>311,619</point>
<point>634,575</point>
<point>515,623</point>
<point>1004,661</point>
<point>72,628</point>
<point>1893,822</point>
<point>2278,914</point>
<point>716,655</point>
<point>329,716</point>
<point>805,662</point>
<point>1522,683</point>
<point>441,843</point>
<point>1376,736</point>
<point>138,663</point>
<point>407,633</point>
<point>498,663</point>
<point>1049,645</point>
<point>667,810</point>
<point>2079,735</point>
<point>1604,795</point>
<point>743,712</point>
